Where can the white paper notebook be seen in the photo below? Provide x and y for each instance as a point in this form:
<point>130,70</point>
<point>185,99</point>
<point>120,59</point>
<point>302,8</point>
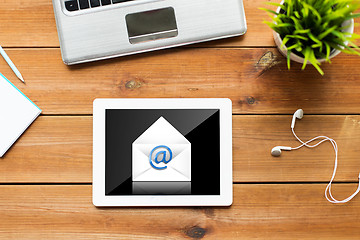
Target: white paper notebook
<point>17,112</point>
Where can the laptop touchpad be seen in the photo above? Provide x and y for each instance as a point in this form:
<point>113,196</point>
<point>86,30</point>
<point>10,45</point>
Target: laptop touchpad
<point>151,25</point>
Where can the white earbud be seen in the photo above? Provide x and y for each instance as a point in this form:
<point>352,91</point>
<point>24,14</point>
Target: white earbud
<point>276,151</point>
<point>298,114</point>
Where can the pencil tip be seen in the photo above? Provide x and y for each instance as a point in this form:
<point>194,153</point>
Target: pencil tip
<point>22,79</point>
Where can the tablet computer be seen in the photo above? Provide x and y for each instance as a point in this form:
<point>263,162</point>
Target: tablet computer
<point>162,152</point>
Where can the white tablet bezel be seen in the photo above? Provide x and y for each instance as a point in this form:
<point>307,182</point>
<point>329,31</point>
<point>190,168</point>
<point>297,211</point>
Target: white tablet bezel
<point>226,192</point>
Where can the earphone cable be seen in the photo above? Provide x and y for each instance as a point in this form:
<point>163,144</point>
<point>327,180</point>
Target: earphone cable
<point>328,194</point>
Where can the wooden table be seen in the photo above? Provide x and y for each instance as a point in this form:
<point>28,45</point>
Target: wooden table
<point>45,190</point>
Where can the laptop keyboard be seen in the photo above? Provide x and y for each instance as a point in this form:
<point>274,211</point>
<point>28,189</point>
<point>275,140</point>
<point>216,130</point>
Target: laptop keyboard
<point>75,5</point>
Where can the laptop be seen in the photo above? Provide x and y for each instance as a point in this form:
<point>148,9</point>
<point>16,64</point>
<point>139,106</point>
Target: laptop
<point>92,30</point>
<point>162,152</point>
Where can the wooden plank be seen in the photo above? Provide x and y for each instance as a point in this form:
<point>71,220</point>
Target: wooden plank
<point>53,149</point>
<point>256,83</point>
<point>48,153</point>
<point>28,23</point>
<point>258,212</point>
<point>255,136</point>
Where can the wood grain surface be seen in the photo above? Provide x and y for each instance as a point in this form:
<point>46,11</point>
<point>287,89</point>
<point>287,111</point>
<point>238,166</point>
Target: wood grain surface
<point>255,79</point>
<point>34,26</point>
<point>48,153</point>
<point>45,178</point>
<point>271,211</point>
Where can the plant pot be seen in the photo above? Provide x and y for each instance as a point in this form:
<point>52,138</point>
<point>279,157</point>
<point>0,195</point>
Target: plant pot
<point>296,58</point>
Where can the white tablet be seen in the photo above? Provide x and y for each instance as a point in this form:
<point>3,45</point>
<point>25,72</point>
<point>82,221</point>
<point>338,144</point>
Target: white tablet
<point>162,152</point>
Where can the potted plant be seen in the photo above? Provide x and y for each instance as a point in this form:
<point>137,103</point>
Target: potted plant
<point>314,31</point>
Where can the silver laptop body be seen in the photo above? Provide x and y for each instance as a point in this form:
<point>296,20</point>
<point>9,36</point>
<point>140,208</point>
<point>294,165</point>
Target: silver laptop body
<point>92,30</point>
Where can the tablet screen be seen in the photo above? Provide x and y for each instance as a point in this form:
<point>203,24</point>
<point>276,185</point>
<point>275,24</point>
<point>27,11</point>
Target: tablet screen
<point>162,152</point>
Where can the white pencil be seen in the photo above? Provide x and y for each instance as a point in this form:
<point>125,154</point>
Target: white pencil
<point>11,64</point>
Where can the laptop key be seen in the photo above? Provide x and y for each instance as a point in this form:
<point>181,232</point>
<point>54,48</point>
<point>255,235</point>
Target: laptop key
<point>105,2</point>
<point>95,3</point>
<point>84,4</point>
<point>71,5</point>
<point>119,1</point>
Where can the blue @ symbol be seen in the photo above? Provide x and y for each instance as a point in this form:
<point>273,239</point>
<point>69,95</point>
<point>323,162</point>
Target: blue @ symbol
<point>160,156</point>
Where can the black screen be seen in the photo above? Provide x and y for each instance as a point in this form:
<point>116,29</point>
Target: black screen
<point>201,127</point>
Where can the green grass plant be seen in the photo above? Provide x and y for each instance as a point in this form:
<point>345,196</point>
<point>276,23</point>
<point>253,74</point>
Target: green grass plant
<point>313,28</point>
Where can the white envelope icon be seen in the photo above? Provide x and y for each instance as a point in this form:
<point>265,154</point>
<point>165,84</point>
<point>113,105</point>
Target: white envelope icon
<point>161,153</point>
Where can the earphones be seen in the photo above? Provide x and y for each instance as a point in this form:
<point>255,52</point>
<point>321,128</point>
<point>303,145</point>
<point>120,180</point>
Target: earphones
<point>276,152</point>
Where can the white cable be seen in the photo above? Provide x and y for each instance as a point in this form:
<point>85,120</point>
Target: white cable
<point>328,194</point>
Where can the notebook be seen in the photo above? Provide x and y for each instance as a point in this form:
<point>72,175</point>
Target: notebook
<point>17,112</point>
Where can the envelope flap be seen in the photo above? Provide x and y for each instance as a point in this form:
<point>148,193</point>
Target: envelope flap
<point>161,132</point>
